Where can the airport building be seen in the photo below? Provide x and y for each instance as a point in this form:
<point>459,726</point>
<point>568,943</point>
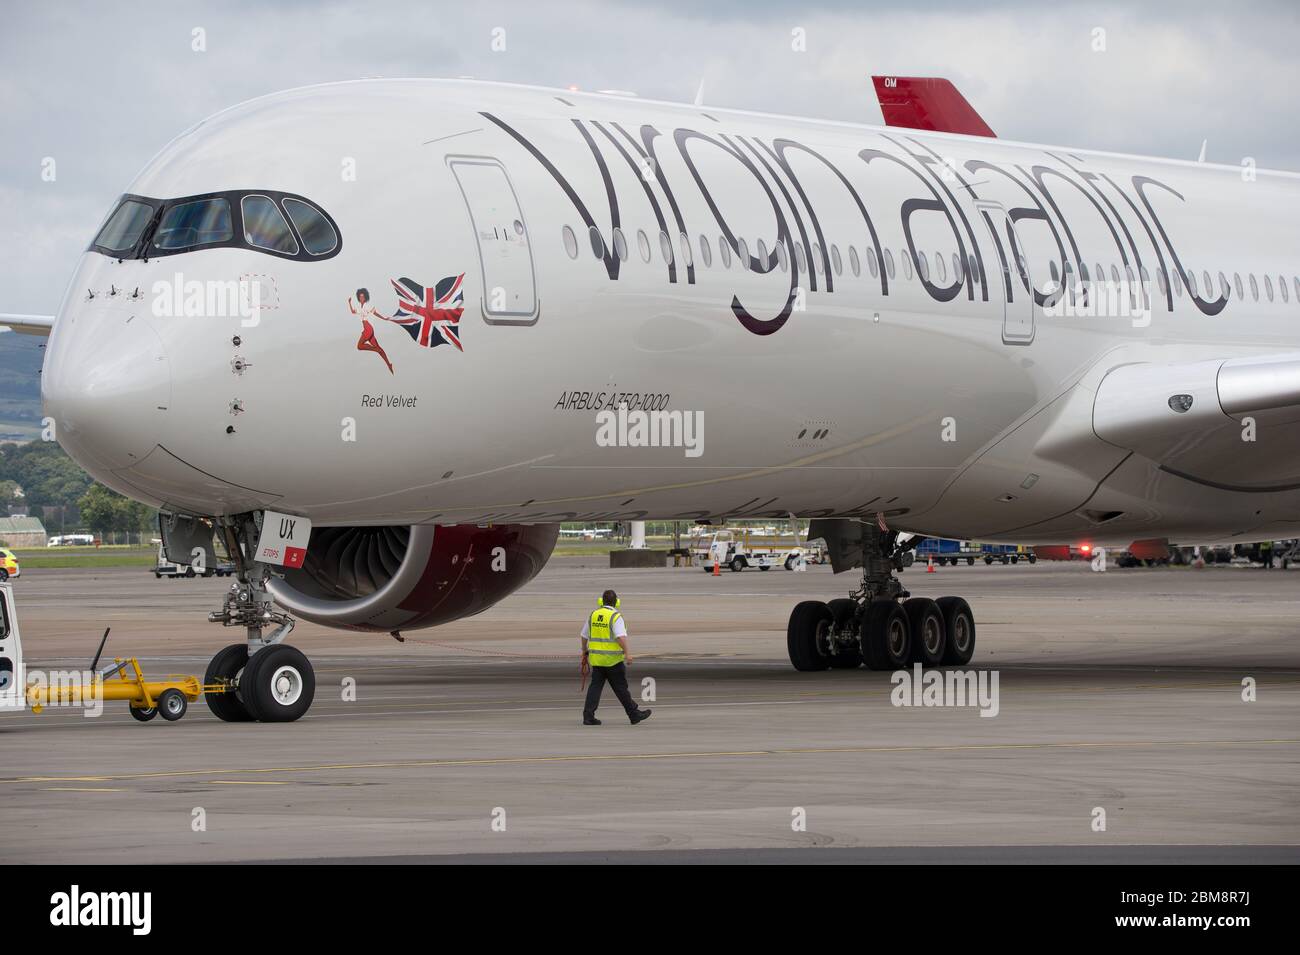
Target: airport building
<point>22,532</point>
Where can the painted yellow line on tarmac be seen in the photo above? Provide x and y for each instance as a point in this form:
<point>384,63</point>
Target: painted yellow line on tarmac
<point>704,754</point>
<point>247,782</point>
<point>78,789</point>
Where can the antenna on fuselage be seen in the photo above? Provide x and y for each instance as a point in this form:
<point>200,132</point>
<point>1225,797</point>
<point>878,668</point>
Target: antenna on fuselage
<point>699,95</point>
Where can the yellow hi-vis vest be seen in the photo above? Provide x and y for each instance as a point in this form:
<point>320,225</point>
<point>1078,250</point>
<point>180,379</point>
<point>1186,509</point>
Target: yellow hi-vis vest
<point>602,647</point>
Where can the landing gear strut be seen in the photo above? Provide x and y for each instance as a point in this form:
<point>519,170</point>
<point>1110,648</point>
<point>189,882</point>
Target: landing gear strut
<point>881,624</point>
<point>272,681</point>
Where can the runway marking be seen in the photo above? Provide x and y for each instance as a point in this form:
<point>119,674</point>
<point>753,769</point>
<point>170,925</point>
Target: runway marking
<point>607,757</point>
<point>868,693</point>
<point>247,782</point>
<point>77,789</point>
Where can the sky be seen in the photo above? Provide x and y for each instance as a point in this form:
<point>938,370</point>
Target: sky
<point>90,91</point>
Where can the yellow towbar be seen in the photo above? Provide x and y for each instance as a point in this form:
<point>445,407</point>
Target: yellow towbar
<point>169,697</point>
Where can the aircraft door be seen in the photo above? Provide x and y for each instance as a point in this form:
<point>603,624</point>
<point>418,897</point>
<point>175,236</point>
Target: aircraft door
<point>1013,264</point>
<point>501,234</point>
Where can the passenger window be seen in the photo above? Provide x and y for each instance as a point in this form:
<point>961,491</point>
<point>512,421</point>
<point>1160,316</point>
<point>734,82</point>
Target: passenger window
<point>570,242</point>
<point>799,257</point>
<point>1268,287</point>
<point>871,263</point>
<point>190,224</point>
<point>940,267</point>
<point>666,247</point>
<point>314,229</point>
<point>264,226</point>
<point>742,254</point>
<point>1162,281</point>
<point>922,267</point>
<point>706,253</point>
<point>685,244</point>
<point>836,261</point>
<point>854,264</point>
<point>1176,279</point>
<point>724,252</point>
<point>1191,283</point>
<point>1209,283</point>
<point>597,242</point>
<point>1236,281</point>
<point>1223,285</point>
<point>817,257</point>
<point>889,263</point>
<point>643,243</point>
<point>906,259</point>
<point>1297,288</point>
<point>620,245</point>
<point>783,256</point>
<point>1254,288</point>
<point>762,251</point>
<point>125,226</point>
<point>1281,287</point>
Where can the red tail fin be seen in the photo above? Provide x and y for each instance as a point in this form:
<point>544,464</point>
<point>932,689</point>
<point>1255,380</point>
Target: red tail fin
<point>927,102</point>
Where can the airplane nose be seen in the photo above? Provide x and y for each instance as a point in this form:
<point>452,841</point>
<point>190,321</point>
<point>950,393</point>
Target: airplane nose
<point>107,385</point>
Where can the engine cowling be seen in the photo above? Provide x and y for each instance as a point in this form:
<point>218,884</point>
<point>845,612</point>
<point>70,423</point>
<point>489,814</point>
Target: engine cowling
<point>411,576</point>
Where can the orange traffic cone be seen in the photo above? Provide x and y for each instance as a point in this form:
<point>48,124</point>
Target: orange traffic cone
<point>717,567</point>
<point>929,565</point>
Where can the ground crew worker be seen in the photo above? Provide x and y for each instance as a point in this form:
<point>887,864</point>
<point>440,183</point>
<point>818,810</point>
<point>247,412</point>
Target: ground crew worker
<point>604,649</point>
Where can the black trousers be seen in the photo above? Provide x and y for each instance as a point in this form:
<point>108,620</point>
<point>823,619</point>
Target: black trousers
<point>616,677</point>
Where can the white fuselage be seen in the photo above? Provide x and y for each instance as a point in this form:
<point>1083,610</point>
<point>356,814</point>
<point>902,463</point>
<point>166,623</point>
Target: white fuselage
<point>948,408</point>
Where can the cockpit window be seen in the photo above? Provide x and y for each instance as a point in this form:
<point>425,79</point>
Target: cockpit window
<point>258,220</point>
<point>317,234</point>
<point>125,226</point>
<point>191,224</point>
<point>264,226</point>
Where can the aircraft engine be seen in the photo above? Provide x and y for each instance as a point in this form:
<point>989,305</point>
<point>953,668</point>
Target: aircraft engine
<point>410,576</point>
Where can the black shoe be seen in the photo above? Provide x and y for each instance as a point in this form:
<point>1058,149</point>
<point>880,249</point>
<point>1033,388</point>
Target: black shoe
<point>640,715</point>
<point>590,721</point>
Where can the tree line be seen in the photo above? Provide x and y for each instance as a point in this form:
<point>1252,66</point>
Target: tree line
<point>66,498</point>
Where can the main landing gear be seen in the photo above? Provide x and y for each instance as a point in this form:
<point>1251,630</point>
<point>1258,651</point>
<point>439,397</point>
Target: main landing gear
<point>881,625</point>
<point>272,681</point>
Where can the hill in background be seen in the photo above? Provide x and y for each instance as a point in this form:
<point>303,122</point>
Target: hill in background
<point>20,386</point>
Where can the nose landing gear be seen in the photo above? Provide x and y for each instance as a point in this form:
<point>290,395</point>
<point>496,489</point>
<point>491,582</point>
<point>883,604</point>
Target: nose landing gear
<point>881,624</point>
<point>272,681</point>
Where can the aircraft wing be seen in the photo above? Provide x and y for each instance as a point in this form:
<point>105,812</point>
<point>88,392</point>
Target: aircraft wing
<point>927,102</point>
<point>26,324</point>
<point>1232,424</point>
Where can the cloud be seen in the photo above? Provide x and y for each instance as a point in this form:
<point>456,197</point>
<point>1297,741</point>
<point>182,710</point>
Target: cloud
<point>100,88</point>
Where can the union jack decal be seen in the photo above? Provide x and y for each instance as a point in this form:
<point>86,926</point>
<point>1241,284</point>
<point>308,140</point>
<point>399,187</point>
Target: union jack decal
<point>431,316</point>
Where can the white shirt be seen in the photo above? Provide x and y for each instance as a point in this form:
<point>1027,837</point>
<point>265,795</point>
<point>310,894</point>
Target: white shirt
<point>620,628</point>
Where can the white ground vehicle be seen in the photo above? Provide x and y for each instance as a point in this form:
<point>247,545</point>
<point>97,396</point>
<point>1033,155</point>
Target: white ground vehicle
<point>71,540</point>
<point>12,674</point>
<point>740,549</point>
<point>166,568</point>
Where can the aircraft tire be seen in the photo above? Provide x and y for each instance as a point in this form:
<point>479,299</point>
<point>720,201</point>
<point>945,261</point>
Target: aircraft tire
<point>801,636</point>
<point>278,684</point>
<point>227,707</point>
<point>885,636</point>
<point>959,624</point>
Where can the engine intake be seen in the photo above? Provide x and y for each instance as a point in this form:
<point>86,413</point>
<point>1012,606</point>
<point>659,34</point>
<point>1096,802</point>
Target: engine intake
<point>407,577</point>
